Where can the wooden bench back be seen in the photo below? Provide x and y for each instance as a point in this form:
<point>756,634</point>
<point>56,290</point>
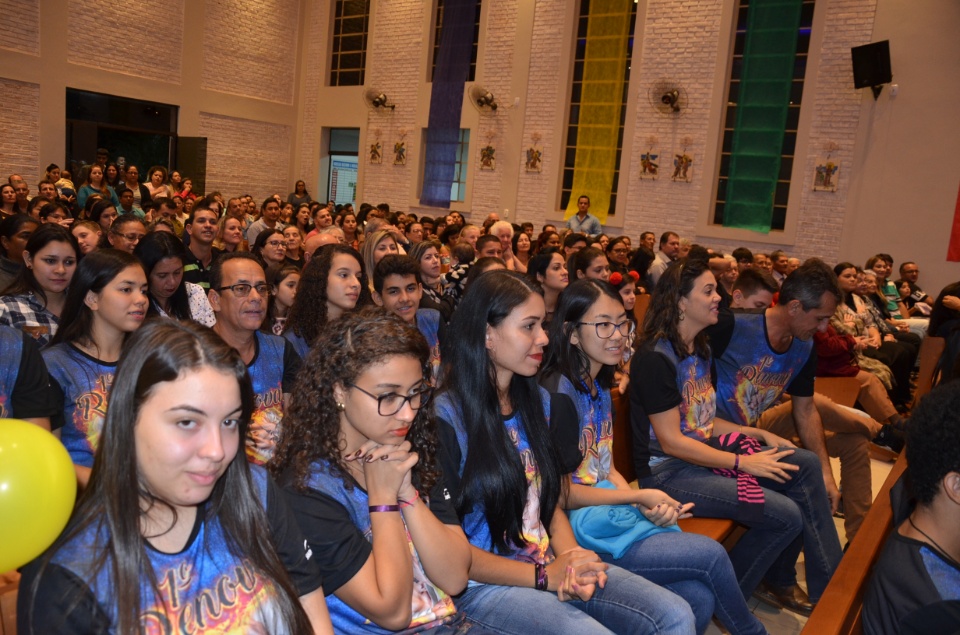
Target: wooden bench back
<point>930,351</point>
<point>839,610</point>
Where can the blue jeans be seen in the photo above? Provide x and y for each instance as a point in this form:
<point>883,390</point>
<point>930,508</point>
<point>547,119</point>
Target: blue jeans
<point>796,515</point>
<point>627,604</point>
<point>697,569</point>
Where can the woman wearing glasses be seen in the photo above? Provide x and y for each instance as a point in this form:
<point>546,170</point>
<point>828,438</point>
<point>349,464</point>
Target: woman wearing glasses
<point>588,333</point>
<point>358,459</point>
<point>271,246</point>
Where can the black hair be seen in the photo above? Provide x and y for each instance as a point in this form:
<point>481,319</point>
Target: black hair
<point>11,226</point>
<point>753,280</point>
<point>641,260</point>
<point>481,266</point>
<point>216,267</point>
<point>153,248</point>
<point>493,474</point>
<point>581,261</point>
<point>662,319</point>
<point>742,254</point>
<point>26,282</point>
<point>665,238</point>
<point>483,240</point>
<point>564,357</point>
<point>808,283</point>
<point>394,265</point>
<point>539,263</point>
<point>933,441</point>
<point>572,239</point>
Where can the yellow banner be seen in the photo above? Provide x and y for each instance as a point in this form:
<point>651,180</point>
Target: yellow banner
<point>605,60</point>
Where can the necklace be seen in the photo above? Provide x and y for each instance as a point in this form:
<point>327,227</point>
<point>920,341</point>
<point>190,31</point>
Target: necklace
<point>943,552</point>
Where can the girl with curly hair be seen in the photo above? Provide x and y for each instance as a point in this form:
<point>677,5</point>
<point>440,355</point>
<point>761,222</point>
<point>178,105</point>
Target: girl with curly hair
<point>333,283</point>
<point>588,334</point>
<point>358,461</point>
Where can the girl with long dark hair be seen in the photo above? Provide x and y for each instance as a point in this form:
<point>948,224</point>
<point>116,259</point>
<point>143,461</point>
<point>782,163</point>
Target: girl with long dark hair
<point>175,529</point>
<point>107,300</point>
<point>162,256</point>
<point>549,270</point>
<point>359,461</point>
<point>587,335</point>
<point>283,281</point>
<point>506,479</point>
<point>15,231</point>
<point>332,283</point>
<point>34,301</point>
<point>589,262</point>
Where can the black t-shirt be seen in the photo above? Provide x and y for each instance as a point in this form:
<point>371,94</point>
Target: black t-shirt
<point>31,395</point>
<point>195,272</point>
<point>914,589</point>
<point>339,546</point>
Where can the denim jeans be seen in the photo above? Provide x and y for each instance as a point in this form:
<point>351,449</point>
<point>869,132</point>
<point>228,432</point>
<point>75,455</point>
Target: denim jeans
<point>628,604</point>
<point>796,515</point>
<point>697,569</point>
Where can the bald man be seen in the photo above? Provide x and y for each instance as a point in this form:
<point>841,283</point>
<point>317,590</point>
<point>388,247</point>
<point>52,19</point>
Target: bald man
<point>315,242</point>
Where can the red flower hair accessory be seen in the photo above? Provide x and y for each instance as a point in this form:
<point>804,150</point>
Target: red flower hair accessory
<point>615,278</point>
<point>634,275</point>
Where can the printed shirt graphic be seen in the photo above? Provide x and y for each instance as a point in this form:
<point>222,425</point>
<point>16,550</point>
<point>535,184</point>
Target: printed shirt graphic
<point>537,541</point>
<point>751,377</point>
<point>595,416</point>
<point>266,374</point>
<point>85,383</point>
<point>204,590</point>
<point>11,344</point>
<point>430,605</point>
<point>698,405</point>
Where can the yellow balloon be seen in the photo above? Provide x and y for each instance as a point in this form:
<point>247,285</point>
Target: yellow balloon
<point>38,487</point>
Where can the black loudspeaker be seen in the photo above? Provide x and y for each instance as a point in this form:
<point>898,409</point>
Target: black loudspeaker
<point>871,64</point>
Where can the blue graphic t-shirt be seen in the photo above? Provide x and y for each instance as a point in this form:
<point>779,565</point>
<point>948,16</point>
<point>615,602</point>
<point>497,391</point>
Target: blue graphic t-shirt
<point>11,345</point>
<point>536,547</point>
<point>204,589</point>
<point>751,376</point>
<point>431,606</point>
<point>595,416</point>
<point>274,364</point>
<point>84,384</point>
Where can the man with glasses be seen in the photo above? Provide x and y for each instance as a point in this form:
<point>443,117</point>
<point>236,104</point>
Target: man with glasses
<point>202,229</point>
<point>238,295</point>
<point>918,303</point>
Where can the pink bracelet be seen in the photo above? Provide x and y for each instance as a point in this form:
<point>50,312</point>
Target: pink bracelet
<point>413,500</point>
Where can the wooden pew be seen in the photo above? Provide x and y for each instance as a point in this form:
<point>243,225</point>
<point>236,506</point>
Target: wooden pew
<point>717,528</point>
<point>839,610</point>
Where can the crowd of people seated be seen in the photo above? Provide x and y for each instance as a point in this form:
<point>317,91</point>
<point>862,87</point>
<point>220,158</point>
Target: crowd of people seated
<point>289,415</point>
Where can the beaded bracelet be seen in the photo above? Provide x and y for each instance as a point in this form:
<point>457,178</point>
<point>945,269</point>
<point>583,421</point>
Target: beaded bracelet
<point>383,508</point>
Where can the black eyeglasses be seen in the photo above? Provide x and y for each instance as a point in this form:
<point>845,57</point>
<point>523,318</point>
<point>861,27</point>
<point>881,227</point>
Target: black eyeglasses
<point>242,289</point>
<point>391,403</point>
<point>605,330</point>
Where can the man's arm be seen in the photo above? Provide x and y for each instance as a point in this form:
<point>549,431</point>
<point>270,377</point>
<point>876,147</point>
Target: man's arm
<point>810,429</point>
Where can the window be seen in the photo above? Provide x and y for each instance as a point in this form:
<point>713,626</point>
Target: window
<point>351,24</point>
<point>438,28</point>
<point>458,189</point>
<point>576,92</point>
<point>782,192</point>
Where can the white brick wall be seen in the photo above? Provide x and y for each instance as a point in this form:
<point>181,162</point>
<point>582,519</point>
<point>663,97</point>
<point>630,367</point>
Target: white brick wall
<point>246,157</point>
<point>20,26</point>
<point>545,102</point>
<point>20,123</point>
<point>395,52</point>
<point>680,44</point>
<point>249,48</point>
<point>127,37</point>
<point>494,74</point>
<point>318,41</point>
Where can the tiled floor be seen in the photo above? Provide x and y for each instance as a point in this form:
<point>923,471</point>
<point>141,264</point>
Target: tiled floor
<point>779,622</point>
